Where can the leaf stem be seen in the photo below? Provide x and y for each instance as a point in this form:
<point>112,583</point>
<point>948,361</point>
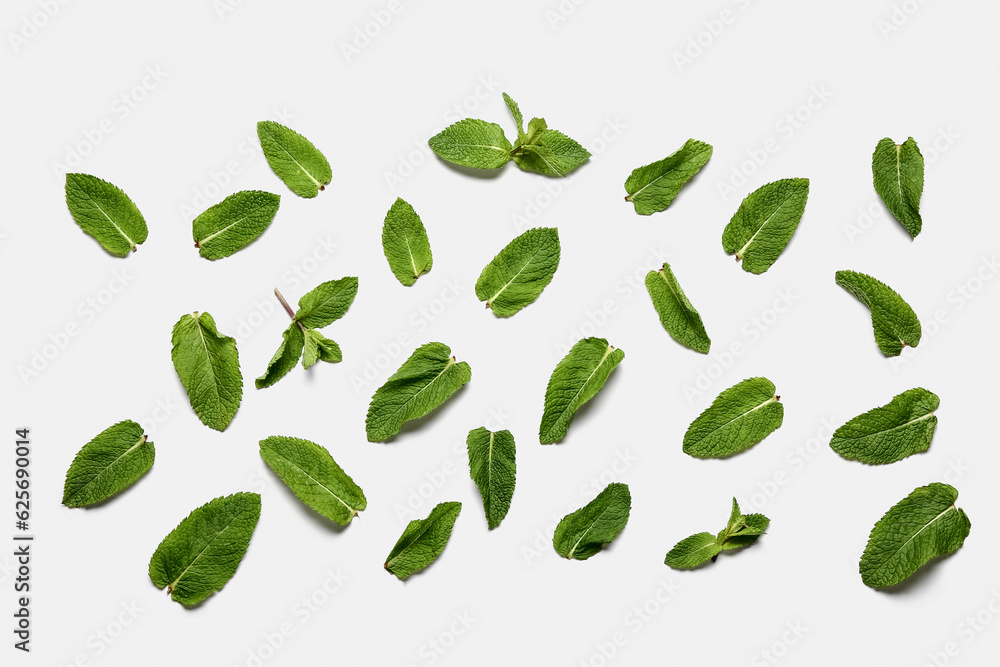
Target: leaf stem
<point>288,309</point>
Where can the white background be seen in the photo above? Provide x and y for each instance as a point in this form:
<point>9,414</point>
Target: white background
<point>608,75</point>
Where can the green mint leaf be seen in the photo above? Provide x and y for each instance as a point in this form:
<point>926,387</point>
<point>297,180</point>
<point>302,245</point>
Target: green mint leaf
<point>294,159</point>
<point>536,126</point>
<point>549,152</point>
<point>516,113</point>
<point>284,360</point>
<point>234,223</point>
<point>901,428</point>
<point>693,551</point>
<point>405,244</point>
<point>583,533</point>
<point>575,380</point>
<point>202,553</point>
<point>319,348</point>
<point>424,381</point>
<point>742,530</point>
<point>764,223</point>
<point>472,143</point>
<point>422,541</point>
<point>677,315</point>
<point>327,303</point>
<point>208,366</point>
<point>652,188</point>
<point>738,419</point>
<point>519,272</point>
<point>106,213</point>
<point>922,526</point>
<point>898,174</point>
<point>894,322</point>
<point>493,469</point>
<point>312,474</point>
<point>107,465</point>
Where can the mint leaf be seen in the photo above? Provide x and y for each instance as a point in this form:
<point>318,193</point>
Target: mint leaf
<point>202,553</point>
<point>327,302</point>
<point>472,143</point>
<point>111,462</point>
<point>764,223</point>
<point>677,315</point>
<point>548,152</point>
<point>575,380</point>
<point>493,469</point>
<point>693,551</point>
<point>519,272</point>
<point>405,244</point>
<point>312,474</point>
<point>106,213</point>
<point>319,348</point>
<point>516,113</point>
<point>901,428</point>
<point>294,159</point>
<point>234,223</point>
<point>287,355</point>
<point>583,533</point>
<point>652,188</point>
<point>738,418</point>
<point>894,322</point>
<point>742,530</point>
<point>921,526</point>
<point>208,366</point>
<point>424,381</point>
<point>422,541</point>
<point>898,174</point>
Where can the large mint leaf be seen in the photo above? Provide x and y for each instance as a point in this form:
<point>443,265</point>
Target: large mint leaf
<point>327,302</point>
<point>234,223</point>
<point>921,526</point>
<point>738,418</point>
<point>107,465</point>
<point>898,174</point>
<point>519,272</point>
<point>423,540</point>
<point>424,381</point>
<point>106,213</point>
<point>493,469</point>
<point>405,243</point>
<point>302,167</point>
<point>652,188</point>
<point>202,553</point>
<point>549,152</point>
<point>693,551</point>
<point>472,143</point>
<point>583,533</point>
<point>208,366</point>
<point>677,315</point>
<point>894,322</point>
<point>764,223</point>
<point>901,428</point>
<point>575,380</point>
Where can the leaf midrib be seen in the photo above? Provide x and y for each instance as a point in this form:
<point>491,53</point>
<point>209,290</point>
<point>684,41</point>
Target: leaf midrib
<point>889,430</point>
<point>108,467</point>
<point>593,523</point>
<point>514,277</point>
<point>173,584</point>
<point>451,362</point>
<point>297,163</point>
<point>319,483</point>
<point>773,399</point>
<point>927,525</point>
<point>676,167</point>
<point>113,223</point>
<point>600,363</point>
<point>740,253</point>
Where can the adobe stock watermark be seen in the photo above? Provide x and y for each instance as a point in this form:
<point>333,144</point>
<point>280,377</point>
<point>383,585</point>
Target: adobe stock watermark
<point>633,622</point>
<point>32,24</point>
<point>366,33</point>
<point>223,8</point>
<point>562,12</point>
<point>712,29</point>
<point>120,109</point>
<point>780,647</point>
<point>966,632</point>
<point>898,16</point>
<point>102,639</point>
<point>787,125</point>
<point>437,646</point>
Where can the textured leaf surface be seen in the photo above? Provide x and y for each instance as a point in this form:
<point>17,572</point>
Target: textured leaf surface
<point>285,358</point>
<point>583,533</point>
<point>405,244</point>
<point>901,428</point>
<point>764,223</point>
<point>922,526</point>
<point>549,152</point>
<point>519,272</point>
<point>423,540</point>
<point>894,322</point>
<point>741,530</point>
<point>319,348</point>
<point>422,383</point>
<point>302,167</point>
<point>472,143</point>
<point>693,551</point>
<point>327,303</point>
<point>493,469</point>
<point>738,418</point>
<point>677,315</point>
<point>234,223</point>
<point>107,465</point>
<point>312,474</point>
<point>202,553</point>
<point>575,380</point>
<point>105,212</point>
<point>898,174</point>
<point>652,188</point>
<point>515,111</point>
<point>208,366</point>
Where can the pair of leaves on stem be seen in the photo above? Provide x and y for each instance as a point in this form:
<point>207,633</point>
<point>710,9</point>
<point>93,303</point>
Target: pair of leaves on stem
<point>425,380</point>
<point>738,419</point>
<point>422,540</point>
<point>741,531</point>
<point>764,223</point>
<point>652,188</point>
<point>481,145</point>
<point>898,175</point>
<point>104,211</point>
<point>677,315</point>
<point>111,462</point>
<point>901,428</point>
<point>519,272</point>
<point>924,525</point>
<point>208,366</point>
<point>493,468</point>
<point>583,533</point>
<point>893,320</point>
<point>575,380</point>
<point>320,307</point>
